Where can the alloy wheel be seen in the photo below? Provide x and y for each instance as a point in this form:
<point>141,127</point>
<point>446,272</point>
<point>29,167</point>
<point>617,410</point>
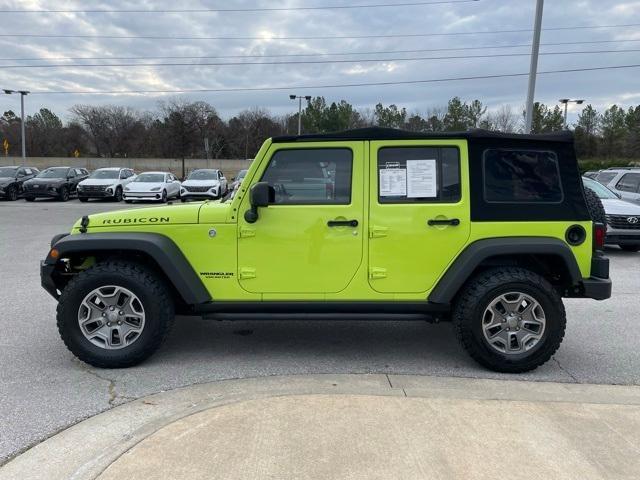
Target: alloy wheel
<point>513,323</point>
<point>111,317</point>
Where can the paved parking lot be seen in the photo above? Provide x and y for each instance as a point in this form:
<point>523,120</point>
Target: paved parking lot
<point>44,389</point>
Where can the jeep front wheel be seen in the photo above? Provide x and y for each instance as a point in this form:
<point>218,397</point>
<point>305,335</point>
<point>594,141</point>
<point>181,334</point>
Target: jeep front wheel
<point>509,320</point>
<point>115,314</point>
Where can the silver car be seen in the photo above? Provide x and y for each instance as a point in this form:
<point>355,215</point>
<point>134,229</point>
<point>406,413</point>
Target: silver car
<point>623,218</point>
<point>625,181</point>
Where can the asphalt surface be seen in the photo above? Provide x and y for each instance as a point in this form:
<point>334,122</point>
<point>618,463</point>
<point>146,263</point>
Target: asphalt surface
<point>44,389</point>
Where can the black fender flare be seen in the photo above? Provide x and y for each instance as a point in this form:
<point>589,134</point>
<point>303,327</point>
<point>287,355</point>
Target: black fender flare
<point>474,254</point>
<point>160,248</point>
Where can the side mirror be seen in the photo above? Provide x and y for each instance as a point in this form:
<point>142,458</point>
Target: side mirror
<point>260,195</point>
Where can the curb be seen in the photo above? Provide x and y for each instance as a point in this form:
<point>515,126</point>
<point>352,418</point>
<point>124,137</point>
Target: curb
<point>84,451</point>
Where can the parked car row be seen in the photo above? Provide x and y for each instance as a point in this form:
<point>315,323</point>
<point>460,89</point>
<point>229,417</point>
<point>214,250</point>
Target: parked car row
<point>114,183</point>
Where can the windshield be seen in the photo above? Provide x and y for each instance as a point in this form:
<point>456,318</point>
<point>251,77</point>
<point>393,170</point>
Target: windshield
<point>60,172</point>
<point>105,174</point>
<point>203,175</point>
<point>8,172</point>
<point>600,190</point>
<point>150,178</point>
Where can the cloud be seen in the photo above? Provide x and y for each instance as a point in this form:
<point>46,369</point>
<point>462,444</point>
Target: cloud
<point>600,88</point>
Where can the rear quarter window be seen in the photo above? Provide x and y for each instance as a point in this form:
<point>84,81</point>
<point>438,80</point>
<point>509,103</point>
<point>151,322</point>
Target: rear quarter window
<point>521,176</point>
<point>629,182</point>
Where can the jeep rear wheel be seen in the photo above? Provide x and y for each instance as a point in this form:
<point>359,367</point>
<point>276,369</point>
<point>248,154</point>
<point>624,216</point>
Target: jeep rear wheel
<point>509,319</point>
<point>115,314</point>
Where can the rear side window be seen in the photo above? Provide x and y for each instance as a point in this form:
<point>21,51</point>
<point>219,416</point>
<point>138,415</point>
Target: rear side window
<point>630,182</point>
<point>418,175</point>
<point>311,176</point>
<point>521,176</point>
<point>605,178</point>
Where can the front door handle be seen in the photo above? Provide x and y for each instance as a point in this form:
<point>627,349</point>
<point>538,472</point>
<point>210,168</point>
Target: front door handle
<point>342,223</point>
<point>450,221</point>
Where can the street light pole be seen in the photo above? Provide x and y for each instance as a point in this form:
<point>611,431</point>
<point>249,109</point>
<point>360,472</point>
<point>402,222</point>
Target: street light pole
<point>566,102</point>
<point>22,93</point>
<point>533,69</point>
<point>300,97</point>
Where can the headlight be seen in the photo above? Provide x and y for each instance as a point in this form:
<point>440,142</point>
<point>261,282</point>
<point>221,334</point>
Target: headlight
<point>156,189</point>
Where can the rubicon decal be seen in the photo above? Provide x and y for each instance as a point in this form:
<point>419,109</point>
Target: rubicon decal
<point>115,221</point>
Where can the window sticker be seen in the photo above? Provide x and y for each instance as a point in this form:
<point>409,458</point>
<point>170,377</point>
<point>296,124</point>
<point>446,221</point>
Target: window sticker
<point>422,179</point>
<point>393,182</point>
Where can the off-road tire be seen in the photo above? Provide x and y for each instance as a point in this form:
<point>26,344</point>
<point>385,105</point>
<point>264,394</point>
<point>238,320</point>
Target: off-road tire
<point>12,193</point>
<point>63,196</point>
<point>630,248</point>
<point>476,295</point>
<point>595,207</point>
<point>145,284</point>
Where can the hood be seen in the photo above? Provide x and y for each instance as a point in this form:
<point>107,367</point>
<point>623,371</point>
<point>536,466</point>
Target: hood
<point>4,180</point>
<point>45,181</point>
<point>143,186</point>
<point>615,206</point>
<point>201,183</point>
<point>139,218</point>
<point>99,181</point>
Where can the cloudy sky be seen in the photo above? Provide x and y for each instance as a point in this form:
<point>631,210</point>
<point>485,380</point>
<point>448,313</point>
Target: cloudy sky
<point>467,26</point>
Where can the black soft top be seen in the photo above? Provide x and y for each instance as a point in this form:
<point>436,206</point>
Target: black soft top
<point>378,133</point>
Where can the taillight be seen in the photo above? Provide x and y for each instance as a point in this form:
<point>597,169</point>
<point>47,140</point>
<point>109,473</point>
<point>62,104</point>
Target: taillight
<point>599,232</point>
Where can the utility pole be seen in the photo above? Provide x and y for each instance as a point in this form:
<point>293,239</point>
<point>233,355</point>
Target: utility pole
<point>22,93</point>
<point>567,101</point>
<point>300,97</point>
<point>533,69</point>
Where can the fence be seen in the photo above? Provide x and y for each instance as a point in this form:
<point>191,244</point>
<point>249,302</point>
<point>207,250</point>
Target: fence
<point>230,167</point>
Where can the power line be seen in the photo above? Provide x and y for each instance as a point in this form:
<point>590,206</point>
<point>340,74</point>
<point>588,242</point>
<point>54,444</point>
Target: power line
<point>345,85</point>
<point>241,10</point>
<point>320,37</point>
<point>379,52</point>
<point>307,62</point>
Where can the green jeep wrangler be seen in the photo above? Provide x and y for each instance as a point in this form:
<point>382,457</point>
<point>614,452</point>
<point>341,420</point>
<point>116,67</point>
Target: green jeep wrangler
<point>487,230</point>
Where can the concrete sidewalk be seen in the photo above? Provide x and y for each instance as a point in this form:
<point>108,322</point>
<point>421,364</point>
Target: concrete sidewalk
<point>352,427</point>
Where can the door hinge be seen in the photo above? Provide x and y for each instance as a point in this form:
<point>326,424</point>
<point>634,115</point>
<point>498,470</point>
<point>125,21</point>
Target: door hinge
<point>377,272</point>
<point>245,232</point>
<point>247,272</point>
<point>377,232</point>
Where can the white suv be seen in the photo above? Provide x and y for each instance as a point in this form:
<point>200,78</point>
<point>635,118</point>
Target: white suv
<point>204,183</point>
<point>105,183</point>
<point>625,181</point>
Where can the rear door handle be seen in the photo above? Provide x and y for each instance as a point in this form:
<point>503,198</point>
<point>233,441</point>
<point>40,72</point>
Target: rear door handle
<point>450,221</point>
<point>342,223</point>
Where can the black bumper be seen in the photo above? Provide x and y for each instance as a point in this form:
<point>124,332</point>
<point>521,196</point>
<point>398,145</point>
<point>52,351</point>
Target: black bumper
<point>597,288</point>
<point>632,239</point>
<point>46,279</point>
<point>41,193</point>
<point>598,285</point>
